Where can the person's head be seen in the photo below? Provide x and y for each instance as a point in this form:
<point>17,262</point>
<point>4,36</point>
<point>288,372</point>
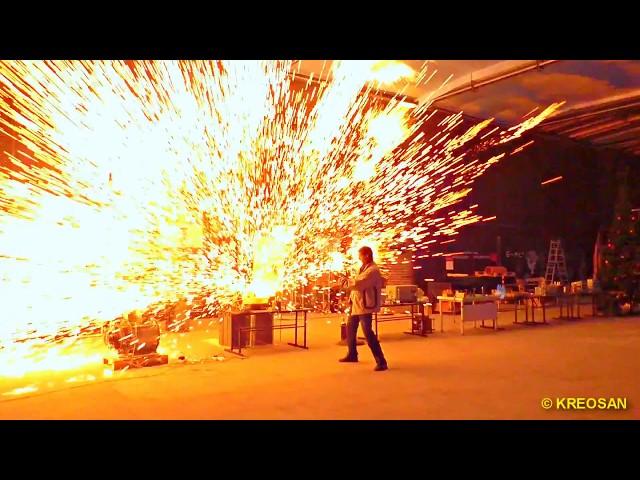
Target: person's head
<point>365,254</point>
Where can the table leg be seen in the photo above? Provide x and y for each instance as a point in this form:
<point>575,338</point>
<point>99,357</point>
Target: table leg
<point>441,319</point>
<point>452,306</point>
<point>462,317</point>
<point>533,310</point>
<point>560,303</point>
<point>305,329</point>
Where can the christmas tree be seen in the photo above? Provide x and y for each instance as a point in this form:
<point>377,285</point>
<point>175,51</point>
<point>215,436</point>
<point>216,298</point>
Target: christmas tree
<point>620,270</point>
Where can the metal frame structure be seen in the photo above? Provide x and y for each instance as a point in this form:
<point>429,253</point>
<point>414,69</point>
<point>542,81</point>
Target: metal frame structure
<point>287,326</point>
<point>486,76</point>
<point>612,122</point>
<point>416,315</point>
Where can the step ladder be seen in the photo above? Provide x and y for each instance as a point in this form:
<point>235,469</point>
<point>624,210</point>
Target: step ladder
<point>556,265</point>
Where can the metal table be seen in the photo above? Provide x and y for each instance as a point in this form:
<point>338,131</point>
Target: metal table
<point>535,302</point>
<point>301,312</point>
<point>483,311</point>
<point>572,304</point>
<point>416,315</point>
<point>519,298</point>
<point>594,300</point>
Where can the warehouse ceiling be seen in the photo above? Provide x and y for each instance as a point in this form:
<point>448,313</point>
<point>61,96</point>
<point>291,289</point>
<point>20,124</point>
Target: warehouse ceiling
<point>602,96</point>
<point>611,122</point>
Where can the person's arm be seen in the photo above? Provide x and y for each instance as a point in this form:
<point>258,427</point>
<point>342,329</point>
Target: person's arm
<point>365,279</point>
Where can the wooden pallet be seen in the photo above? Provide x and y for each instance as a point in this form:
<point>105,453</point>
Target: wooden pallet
<point>137,361</point>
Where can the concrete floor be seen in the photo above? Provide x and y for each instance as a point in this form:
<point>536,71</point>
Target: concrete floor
<point>483,375</point>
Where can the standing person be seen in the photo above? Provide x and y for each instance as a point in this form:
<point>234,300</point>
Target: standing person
<point>365,298</point>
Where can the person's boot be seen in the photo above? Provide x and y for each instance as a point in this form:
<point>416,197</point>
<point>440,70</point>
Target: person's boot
<point>349,359</point>
<point>381,365</point>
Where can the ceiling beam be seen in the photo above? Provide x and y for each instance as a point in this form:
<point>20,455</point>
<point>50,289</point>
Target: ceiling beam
<point>570,127</point>
<point>485,76</point>
<point>601,130</point>
<point>613,104</point>
<point>630,130</point>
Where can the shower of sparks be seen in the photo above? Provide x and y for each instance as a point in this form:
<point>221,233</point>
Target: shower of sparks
<point>136,185</point>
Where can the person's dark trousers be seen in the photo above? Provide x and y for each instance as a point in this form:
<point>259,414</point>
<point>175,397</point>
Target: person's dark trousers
<point>352,332</point>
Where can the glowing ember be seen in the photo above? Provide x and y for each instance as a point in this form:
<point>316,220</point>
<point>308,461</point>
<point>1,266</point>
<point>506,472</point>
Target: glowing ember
<point>138,184</point>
